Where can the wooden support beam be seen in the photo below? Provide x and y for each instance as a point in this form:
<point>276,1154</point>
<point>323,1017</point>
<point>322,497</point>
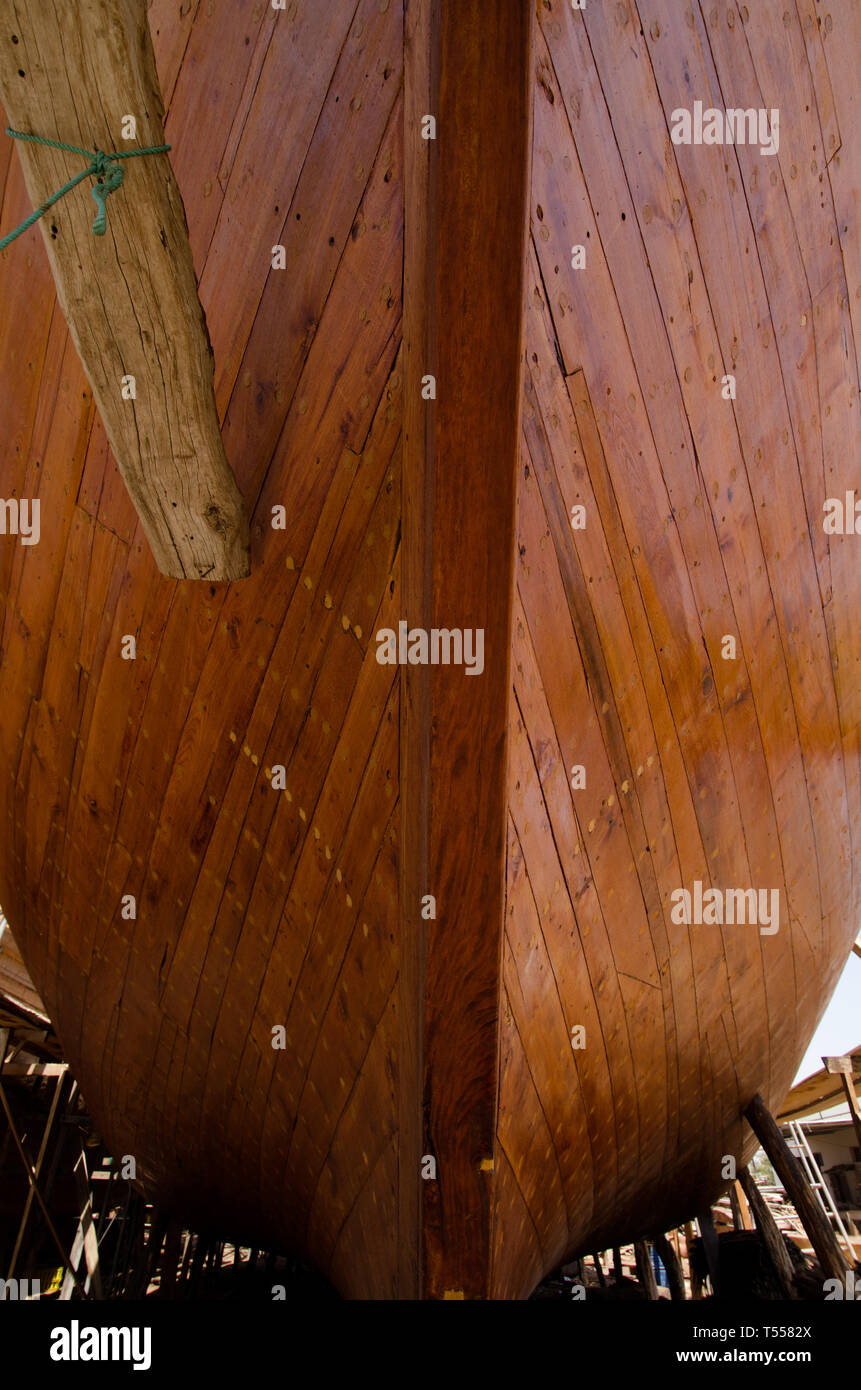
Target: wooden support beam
<point>158,1231</point>
<point>645,1272</point>
<point>738,1224</point>
<point>32,1180</point>
<point>599,1269</point>
<point>469,67</point>
<point>185,1270</point>
<point>743,1208</point>
<point>14,1070</point>
<point>85,1244</point>
<point>72,73</point>
<point>201,1249</point>
<point>618,1271</point>
<point>768,1232</point>
<point>40,1157</point>
<point>672,1265</point>
<point>842,1066</point>
<point>170,1260</point>
<point>791,1174</point>
<point>709,1237</point>
<point>695,1280</point>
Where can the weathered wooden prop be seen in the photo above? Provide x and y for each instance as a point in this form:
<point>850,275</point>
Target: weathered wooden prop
<point>769,1233</point>
<point>791,1174</point>
<point>740,1206</point>
<point>693,1274</point>
<point>738,1224</point>
<point>711,1249</point>
<point>129,296</point>
<point>645,1269</point>
<point>672,1265</point>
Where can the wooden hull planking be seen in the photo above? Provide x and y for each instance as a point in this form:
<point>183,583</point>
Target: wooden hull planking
<point>300,907</point>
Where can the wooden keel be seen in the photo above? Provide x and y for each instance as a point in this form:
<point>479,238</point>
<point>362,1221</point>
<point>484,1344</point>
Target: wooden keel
<point>129,296</point>
<point>465,218</point>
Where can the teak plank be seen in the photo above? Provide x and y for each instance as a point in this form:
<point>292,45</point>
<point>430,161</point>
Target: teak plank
<point>129,296</point>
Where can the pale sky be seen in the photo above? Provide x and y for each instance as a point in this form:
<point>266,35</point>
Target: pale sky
<point>840,1029</point>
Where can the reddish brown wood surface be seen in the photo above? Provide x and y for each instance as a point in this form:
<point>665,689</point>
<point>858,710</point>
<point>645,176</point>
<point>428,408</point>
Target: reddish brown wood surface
<point>703,517</point>
<point>149,777</point>
<point>301,907</point>
<point>476,252</point>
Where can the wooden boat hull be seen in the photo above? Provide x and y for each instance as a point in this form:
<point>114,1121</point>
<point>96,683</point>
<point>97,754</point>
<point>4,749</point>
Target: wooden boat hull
<point>306,906</point>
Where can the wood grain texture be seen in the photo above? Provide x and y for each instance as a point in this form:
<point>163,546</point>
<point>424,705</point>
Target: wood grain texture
<point>72,73</point>
<point>421,96</point>
<point>703,517</point>
<point>256,908</point>
<point>476,248</point>
<point>300,907</point>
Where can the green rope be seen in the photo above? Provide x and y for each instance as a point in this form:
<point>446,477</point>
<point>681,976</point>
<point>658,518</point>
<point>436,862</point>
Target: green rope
<point>103,166</point>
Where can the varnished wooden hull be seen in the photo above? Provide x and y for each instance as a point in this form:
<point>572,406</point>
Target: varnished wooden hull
<point>258,908</point>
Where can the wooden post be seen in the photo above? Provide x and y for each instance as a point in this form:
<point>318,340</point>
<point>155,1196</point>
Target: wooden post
<point>645,1272</point>
<point>743,1208</point>
<point>618,1271</point>
<point>599,1270</point>
<point>147,1261</point>
<point>184,1273</point>
<point>116,1276</point>
<point>129,296</point>
<point>85,1243</point>
<point>843,1066</point>
<point>171,1258</point>
<point>200,1251</point>
<point>673,1267</point>
<point>767,1230</point>
<point>735,1209</point>
<point>705,1220</point>
<point>695,1280</point>
<point>790,1172</point>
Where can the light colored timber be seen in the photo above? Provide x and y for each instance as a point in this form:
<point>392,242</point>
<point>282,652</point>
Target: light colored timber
<point>421,93</point>
<point>71,73</point>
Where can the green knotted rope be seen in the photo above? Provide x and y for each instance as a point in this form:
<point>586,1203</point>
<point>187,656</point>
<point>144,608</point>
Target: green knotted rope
<point>103,166</point>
